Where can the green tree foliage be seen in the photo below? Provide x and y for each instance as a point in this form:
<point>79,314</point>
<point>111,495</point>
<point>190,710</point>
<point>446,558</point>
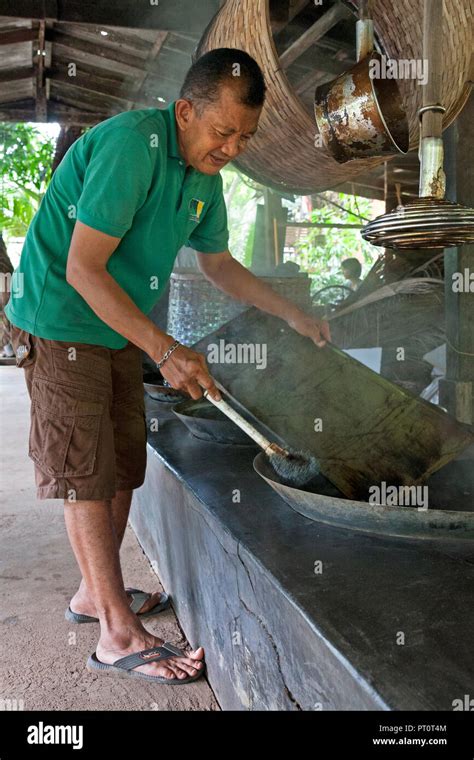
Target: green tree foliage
<point>26,156</point>
<point>318,251</point>
<point>321,250</point>
<point>241,195</point>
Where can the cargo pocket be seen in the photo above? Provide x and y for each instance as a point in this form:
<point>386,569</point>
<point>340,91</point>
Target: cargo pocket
<point>64,430</point>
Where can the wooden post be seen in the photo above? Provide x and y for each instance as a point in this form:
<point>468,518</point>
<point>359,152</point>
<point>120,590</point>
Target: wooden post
<point>457,390</point>
<point>41,96</point>
<point>264,257</point>
<point>432,177</point>
<point>432,123</point>
<point>390,195</point>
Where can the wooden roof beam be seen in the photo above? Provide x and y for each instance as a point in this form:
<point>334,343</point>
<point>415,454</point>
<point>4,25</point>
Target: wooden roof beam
<point>61,62</point>
<point>20,34</point>
<point>91,81</point>
<point>341,50</point>
<point>294,8</point>
<point>311,79</point>
<point>13,75</point>
<point>139,84</point>
<point>130,38</point>
<point>103,66</point>
<point>86,87</point>
<point>56,113</point>
<point>336,13</point>
<point>84,99</point>
<point>16,114</point>
<point>77,117</point>
<point>93,48</point>
<point>191,17</point>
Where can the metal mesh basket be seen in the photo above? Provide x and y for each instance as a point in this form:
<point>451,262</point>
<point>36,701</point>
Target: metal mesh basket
<point>197,308</point>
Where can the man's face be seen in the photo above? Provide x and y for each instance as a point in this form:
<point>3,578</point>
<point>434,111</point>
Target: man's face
<point>210,140</point>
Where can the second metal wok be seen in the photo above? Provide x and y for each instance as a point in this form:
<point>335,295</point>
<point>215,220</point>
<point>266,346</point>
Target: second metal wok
<point>322,502</point>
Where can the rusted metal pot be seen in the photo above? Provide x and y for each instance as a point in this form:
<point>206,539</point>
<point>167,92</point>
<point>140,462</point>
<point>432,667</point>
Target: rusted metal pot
<point>359,116</point>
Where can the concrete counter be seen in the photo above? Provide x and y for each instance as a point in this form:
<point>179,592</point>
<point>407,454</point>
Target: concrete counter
<point>294,614</point>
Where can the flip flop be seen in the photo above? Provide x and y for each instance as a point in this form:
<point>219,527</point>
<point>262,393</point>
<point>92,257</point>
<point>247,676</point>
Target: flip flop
<point>138,599</point>
<point>124,666</point>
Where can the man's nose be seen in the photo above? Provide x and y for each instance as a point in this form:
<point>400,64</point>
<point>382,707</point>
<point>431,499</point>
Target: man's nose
<point>232,148</point>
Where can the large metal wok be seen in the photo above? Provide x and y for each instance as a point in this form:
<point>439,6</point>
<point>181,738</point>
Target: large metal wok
<point>322,502</point>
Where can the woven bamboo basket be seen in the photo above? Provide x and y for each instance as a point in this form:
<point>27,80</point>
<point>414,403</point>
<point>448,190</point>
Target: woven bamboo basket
<point>197,308</point>
<point>282,154</point>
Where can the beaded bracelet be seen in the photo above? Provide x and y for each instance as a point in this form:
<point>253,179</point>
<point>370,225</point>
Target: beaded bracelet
<point>168,353</point>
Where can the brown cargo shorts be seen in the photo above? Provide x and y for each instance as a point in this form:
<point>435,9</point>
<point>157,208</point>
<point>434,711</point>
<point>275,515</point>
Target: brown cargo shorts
<point>88,427</point>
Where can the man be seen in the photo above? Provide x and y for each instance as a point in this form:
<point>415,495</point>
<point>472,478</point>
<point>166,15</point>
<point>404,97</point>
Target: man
<point>352,270</point>
<point>126,197</point>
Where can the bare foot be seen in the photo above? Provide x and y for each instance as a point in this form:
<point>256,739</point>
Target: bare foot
<point>82,604</point>
<point>111,648</point>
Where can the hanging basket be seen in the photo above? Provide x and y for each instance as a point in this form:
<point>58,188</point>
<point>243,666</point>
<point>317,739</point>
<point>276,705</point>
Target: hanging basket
<point>283,154</point>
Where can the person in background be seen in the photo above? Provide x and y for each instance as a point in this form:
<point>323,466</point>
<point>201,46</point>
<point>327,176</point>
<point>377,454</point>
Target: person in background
<point>352,270</point>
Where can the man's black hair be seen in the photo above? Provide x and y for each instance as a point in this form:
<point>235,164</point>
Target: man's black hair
<point>353,266</point>
<point>224,66</point>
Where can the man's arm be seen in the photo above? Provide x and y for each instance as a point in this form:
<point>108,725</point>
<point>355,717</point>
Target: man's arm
<point>230,276</point>
<point>86,272</point>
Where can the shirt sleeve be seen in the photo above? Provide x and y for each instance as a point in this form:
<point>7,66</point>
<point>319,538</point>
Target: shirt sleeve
<point>211,235</point>
<point>116,182</point>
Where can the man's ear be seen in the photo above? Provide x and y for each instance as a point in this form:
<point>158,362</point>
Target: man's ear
<point>184,112</point>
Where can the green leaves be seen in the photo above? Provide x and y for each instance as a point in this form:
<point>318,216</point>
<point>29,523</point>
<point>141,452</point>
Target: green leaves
<point>26,157</point>
<point>323,249</point>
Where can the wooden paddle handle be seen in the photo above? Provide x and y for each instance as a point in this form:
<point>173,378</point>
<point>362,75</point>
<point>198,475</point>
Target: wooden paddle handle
<point>242,423</point>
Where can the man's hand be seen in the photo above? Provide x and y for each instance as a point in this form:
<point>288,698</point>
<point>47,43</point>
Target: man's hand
<point>186,370</point>
<point>316,329</point>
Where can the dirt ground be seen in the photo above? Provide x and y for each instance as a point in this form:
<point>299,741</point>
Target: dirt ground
<point>43,656</point>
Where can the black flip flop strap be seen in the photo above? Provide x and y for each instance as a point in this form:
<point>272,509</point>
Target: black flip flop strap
<point>131,661</point>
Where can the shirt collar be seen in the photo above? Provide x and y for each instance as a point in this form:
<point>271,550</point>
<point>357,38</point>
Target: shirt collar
<point>173,147</point>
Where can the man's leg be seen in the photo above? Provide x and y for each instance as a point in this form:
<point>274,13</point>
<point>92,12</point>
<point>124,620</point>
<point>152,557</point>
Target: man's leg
<point>82,601</point>
<point>120,511</point>
<point>92,534</point>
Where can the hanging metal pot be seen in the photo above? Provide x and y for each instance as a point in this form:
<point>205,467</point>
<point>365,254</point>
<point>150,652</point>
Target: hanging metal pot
<point>359,115</point>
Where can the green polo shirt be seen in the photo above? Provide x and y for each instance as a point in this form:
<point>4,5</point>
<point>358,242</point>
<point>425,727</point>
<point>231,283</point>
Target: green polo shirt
<point>127,178</point>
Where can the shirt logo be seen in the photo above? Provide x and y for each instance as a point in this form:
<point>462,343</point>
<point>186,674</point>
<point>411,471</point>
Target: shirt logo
<point>195,209</point>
